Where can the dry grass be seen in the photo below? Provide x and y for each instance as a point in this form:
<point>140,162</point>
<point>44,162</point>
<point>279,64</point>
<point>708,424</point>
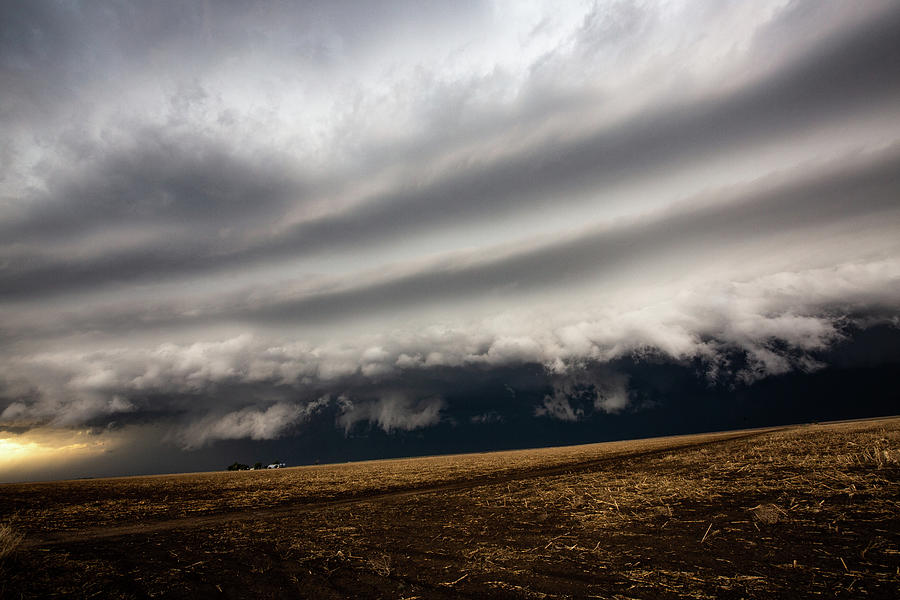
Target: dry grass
<point>805,512</point>
<point>10,540</point>
<point>781,492</point>
<point>62,505</point>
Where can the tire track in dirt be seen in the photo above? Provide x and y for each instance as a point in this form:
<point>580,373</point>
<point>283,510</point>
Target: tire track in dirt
<point>98,533</point>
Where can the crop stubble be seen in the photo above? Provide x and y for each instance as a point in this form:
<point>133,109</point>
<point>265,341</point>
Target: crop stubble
<point>797,512</point>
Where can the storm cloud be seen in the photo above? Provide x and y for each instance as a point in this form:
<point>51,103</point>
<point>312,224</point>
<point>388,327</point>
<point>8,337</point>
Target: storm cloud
<point>238,221</point>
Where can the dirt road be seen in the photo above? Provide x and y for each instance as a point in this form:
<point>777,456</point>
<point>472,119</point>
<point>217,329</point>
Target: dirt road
<point>96,533</point>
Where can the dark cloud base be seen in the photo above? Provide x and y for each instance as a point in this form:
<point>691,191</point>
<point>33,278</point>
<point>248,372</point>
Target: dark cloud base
<point>667,399</point>
<point>494,409</point>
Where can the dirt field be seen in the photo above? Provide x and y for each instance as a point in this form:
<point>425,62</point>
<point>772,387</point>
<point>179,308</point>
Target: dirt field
<point>807,511</point>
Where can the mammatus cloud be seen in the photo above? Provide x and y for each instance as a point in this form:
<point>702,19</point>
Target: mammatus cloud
<point>239,222</point>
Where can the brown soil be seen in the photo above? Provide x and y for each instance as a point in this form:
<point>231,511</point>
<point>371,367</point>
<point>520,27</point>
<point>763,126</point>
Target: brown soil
<point>795,512</point>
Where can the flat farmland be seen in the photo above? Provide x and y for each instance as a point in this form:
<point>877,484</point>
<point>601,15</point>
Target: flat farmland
<point>800,511</point>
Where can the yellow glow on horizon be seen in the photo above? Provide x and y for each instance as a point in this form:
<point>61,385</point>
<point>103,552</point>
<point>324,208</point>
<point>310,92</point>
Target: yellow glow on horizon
<point>11,450</point>
<point>58,445</point>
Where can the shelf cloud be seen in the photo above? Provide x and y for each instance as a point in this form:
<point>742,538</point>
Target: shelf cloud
<point>241,221</point>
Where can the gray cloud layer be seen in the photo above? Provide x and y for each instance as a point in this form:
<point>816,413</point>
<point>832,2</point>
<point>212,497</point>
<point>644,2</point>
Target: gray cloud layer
<point>837,195</point>
<point>218,207</point>
<point>227,218</point>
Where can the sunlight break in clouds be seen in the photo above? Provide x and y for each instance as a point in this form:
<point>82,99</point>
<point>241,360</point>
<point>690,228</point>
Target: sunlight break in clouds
<point>51,447</point>
<point>248,222</point>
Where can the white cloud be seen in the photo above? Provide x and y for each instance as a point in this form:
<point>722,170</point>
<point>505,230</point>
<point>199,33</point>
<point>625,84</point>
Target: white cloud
<point>251,422</point>
<point>558,407</point>
<point>394,411</point>
<point>597,388</point>
<point>612,394</point>
<point>776,320</point>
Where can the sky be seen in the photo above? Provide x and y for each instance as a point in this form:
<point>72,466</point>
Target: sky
<point>340,230</point>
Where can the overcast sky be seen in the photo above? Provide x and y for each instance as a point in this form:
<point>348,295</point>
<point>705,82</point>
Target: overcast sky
<point>221,221</point>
